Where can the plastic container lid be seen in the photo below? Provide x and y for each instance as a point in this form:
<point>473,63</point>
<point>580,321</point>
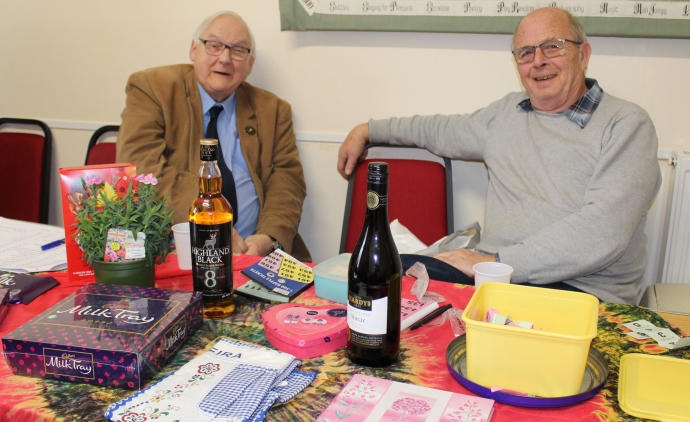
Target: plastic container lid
<point>654,387</point>
<point>334,268</point>
<point>330,278</point>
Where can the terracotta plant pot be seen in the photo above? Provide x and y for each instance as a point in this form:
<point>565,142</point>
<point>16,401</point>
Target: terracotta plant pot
<point>133,273</point>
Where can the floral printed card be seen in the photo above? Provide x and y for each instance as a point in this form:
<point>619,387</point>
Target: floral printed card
<point>121,246</point>
<point>367,398</point>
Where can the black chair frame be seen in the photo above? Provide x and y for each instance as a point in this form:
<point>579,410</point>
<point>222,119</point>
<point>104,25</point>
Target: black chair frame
<point>96,136</point>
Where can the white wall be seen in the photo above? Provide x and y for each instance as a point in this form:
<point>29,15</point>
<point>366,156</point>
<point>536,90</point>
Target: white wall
<point>67,61</point>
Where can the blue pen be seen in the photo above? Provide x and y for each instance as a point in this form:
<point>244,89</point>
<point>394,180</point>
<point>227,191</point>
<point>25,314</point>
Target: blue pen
<point>52,245</point>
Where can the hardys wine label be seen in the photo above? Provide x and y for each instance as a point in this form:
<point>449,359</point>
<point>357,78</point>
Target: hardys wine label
<point>375,200</point>
<point>212,259</point>
<point>367,319</point>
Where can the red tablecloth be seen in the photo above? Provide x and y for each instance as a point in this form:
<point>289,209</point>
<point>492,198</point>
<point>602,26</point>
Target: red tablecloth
<point>423,362</point>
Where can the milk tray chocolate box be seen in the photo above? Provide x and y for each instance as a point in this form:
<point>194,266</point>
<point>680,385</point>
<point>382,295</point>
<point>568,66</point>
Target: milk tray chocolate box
<point>111,335</point>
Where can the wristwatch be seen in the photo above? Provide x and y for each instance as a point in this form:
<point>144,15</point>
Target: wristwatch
<point>276,244</point>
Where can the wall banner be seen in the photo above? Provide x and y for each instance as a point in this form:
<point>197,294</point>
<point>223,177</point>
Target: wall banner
<point>624,18</point>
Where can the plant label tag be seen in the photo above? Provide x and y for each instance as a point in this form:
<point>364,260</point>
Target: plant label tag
<point>135,249</point>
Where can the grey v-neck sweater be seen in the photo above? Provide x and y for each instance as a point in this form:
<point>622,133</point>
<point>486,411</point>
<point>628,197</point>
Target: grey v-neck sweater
<point>564,203</point>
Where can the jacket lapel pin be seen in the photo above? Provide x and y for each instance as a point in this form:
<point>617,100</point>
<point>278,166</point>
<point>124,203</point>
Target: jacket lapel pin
<point>250,130</point>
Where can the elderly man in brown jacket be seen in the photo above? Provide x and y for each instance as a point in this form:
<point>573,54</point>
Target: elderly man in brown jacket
<point>167,112</point>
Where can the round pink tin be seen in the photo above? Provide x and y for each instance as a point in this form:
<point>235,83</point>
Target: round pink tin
<point>306,331</point>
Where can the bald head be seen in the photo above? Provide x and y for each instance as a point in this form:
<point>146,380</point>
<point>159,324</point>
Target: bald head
<point>577,32</point>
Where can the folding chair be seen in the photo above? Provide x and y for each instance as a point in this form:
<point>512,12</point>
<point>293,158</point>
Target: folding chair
<point>420,196</point>
<point>25,170</point>
<point>100,152</point>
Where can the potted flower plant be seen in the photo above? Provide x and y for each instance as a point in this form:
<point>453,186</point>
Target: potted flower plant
<point>123,233</point>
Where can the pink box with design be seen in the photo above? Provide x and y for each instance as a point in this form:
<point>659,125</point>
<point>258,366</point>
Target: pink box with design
<point>306,331</point>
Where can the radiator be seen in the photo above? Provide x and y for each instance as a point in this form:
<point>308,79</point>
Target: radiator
<point>668,222</point>
<point>677,254</point>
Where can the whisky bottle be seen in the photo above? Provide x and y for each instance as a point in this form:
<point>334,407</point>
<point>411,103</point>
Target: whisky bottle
<point>210,224</point>
<point>374,282</point>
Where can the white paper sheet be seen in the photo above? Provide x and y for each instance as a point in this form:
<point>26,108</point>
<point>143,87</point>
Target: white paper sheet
<point>20,247</point>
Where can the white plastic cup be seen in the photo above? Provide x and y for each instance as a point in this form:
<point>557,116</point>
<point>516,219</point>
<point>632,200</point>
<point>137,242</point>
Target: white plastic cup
<point>491,271</point>
<point>183,245</point>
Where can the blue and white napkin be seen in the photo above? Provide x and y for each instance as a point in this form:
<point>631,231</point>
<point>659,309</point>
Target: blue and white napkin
<point>232,382</point>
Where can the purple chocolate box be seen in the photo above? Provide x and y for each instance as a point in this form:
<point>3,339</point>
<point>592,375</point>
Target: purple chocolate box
<point>105,334</point>
<point>4,303</point>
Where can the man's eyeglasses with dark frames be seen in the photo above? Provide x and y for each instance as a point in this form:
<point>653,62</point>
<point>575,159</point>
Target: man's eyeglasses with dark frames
<point>550,49</point>
<point>216,48</point>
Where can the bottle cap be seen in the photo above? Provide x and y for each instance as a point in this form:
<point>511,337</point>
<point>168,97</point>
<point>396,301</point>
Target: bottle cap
<point>208,150</point>
<point>379,167</point>
<point>378,172</point>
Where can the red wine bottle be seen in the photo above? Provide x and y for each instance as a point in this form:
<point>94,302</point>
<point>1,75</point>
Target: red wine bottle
<point>374,282</point>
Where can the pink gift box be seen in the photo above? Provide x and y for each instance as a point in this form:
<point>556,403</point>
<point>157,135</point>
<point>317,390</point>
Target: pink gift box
<point>306,331</point>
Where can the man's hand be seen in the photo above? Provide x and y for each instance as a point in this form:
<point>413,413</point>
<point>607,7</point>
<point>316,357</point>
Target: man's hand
<point>352,150</point>
<point>463,260</point>
<point>259,245</point>
<point>238,244</point>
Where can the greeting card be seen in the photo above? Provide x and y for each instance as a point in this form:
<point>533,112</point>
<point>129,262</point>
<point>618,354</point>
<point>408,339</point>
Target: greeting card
<point>369,399</point>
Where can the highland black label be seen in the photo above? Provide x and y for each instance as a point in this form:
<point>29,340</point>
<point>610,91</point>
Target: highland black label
<point>208,152</point>
<point>211,260</point>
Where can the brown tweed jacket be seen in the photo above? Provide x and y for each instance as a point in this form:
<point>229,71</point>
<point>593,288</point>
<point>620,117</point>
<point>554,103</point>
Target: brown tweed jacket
<point>160,132</point>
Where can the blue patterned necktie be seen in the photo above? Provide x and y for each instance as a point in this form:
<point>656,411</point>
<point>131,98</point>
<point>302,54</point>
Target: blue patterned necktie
<point>228,190</point>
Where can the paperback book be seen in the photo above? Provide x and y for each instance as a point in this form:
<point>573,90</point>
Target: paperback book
<point>256,290</point>
<point>280,274</point>
<point>369,399</point>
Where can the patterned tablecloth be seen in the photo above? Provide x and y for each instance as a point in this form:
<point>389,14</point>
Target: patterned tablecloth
<point>422,360</point>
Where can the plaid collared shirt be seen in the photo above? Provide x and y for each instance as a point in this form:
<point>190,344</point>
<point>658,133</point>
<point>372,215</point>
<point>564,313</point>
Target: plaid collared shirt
<point>582,110</point>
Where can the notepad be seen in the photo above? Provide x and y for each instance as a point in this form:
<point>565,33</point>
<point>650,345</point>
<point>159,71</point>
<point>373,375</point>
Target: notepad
<point>412,311</point>
<point>20,249</point>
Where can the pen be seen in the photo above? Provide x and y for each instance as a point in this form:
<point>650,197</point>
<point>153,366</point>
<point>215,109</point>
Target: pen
<point>52,245</point>
<point>431,316</point>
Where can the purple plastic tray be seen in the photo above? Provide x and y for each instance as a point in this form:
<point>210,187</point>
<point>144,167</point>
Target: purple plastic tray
<point>596,372</point>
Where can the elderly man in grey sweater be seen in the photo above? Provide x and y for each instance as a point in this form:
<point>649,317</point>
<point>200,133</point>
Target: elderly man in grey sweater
<point>572,169</point>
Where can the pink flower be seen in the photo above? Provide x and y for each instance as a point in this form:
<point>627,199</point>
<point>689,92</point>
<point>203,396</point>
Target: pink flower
<point>411,406</point>
<point>94,180</point>
<point>110,255</point>
<point>148,179</point>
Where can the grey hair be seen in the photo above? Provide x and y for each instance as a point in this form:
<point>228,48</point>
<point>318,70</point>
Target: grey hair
<point>576,29</point>
<point>207,22</point>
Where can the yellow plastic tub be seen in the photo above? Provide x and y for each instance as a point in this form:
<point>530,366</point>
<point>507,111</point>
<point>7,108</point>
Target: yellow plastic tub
<point>547,361</point>
<point>654,387</point>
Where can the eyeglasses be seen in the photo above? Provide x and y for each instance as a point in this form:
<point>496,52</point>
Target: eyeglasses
<point>550,48</point>
<point>216,48</point>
